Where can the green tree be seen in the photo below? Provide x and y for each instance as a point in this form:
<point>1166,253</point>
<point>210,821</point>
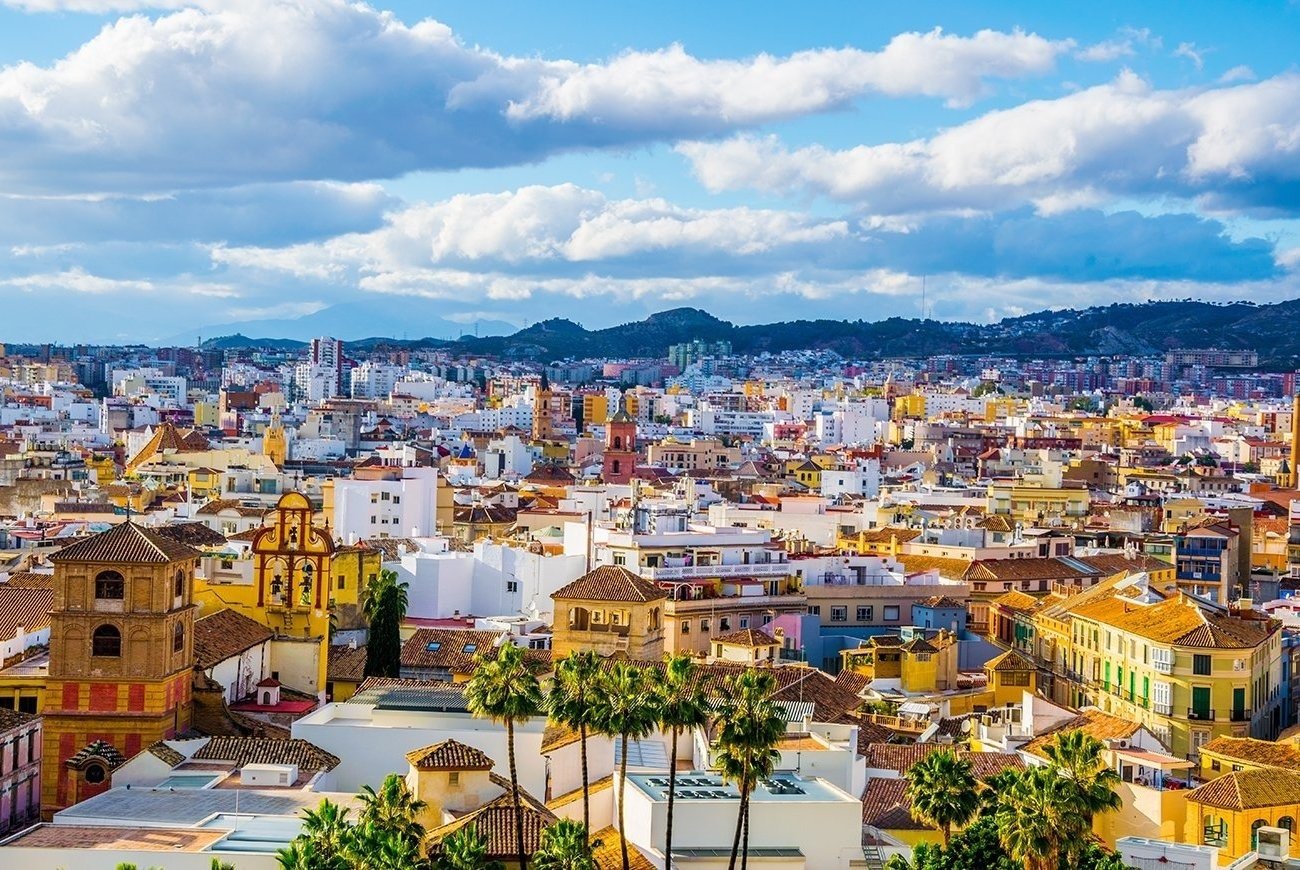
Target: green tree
<point>977,847</point>
<point>571,702</point>
<point>464,849</point>
<point>392,810</point>
<point>504,689</point>
<point>384,607</point>
<point>1029,818</point>
<point>749,726</point>
<point>564,847</point>
<point>626,708</point>
<point>326,837</point>
<point>1091,783</point>
<point>943,791</point>
<point>681,708</point>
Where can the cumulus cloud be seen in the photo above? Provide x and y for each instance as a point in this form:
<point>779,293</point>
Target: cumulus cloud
<point>1234,147</point>
<point>241,92</point>
<point>1125,44</point>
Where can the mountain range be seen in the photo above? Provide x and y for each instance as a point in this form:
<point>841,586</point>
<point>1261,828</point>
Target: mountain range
<point>1138,329</point>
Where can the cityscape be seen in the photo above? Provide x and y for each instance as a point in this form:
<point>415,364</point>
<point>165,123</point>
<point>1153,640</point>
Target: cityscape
<point>495,436</point>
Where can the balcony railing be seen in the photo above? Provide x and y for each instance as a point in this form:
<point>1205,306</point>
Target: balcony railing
<point>1238,715</point>
<point>731,602</point>
<point>754,569</point>
<point>1200,714</point>
<point>1162,709</point>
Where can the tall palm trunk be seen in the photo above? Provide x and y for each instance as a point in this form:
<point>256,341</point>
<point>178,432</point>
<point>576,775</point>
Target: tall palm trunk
<point>586,786</point>
<point>622,789</point>
<point>740,819</point>
<point>514,796</point>
<point>672,787</point>
<point>744,839</point>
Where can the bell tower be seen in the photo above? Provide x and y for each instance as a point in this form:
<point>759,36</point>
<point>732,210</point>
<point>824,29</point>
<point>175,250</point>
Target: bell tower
<point>620,446</point>
<point>121,656</point>
<point>544,411</point>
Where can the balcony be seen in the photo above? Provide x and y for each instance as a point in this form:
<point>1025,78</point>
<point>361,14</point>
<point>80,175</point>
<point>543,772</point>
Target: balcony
<point>1162,666</point>
<point>700,572</point>
<point>1200,714</point>
<point>794,600</point>
<point>1238,715</point>
<point>1162,709</point>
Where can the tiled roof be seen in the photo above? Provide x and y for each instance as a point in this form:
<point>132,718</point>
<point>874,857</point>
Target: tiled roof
<point>225,634</point>
<point>1265,753</point>
<point>387,547</point>
<point>1011,660</point>
<point>1117,563</point>
<point>919,645</point>
<point>1016,600</point>
<point>1102,726</point>
<point>885,806</point>
<point>128,543</point>
<point>446,648</point>
<point>1040,568</point>
<point>1180,622</point>
<point>887,534</point>
<point>943,601</point>
<point>14,718</point>
<point>495,823</point>
<point>27,579</point>
<point>264,750</point>
<point>346,663</point>
<point>901,757</point>
<point>953,569</point>
<point>168,755</point>
<point>750,637</point>
<point>217,505</point>
<point>557,734</point>
<point>449,755</point>
<point>100,750</point>
<point>195,534</point>
<point>610,583</point>
<point>1249,789</point>
<point>25,607</point>
<point>609,852</point>
<point>575,794</point>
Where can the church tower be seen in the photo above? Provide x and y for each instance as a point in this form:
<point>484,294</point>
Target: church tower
<point>543,411</point>
<point>121,656</point>
<point>274,444</point>
<point>620,446</point>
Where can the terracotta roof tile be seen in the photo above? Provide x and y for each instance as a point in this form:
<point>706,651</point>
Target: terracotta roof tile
<point>265,750</point>
<point>749,637</point>
<point>127,543</point>
<point>1266,753</point>
<point>610,583</point>
<point>449,755</point>
<point>25,607</point>
<point>1249,789</point>
<point>168,755</point>
<point>495,823</point>
<point>1101,725</point>
<point>226,634</point>
<point>346,663</point>
<point>1011,660</point>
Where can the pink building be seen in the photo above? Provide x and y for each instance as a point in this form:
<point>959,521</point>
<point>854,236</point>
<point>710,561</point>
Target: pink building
<point>20,769</point>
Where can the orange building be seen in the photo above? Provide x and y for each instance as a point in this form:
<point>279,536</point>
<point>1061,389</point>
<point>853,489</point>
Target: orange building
<point>121,657</point>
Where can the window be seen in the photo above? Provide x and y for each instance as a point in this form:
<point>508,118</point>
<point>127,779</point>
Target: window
<point>95,773</point>
<point>1201,665</point>
<point>686,626</point>
<point>397,499</point>
<point>178,638</point>
<point>839,614</point>
<point>512,585</point>
<point>744,622</point>
<point>453,777</point>
<point>469,649</point>
<point>342,581</point>
<point>725,623</point>
<point>433,646</point>
<point>814,610</point>
<point>891,613</point>
<point>179,585</point>
<point>110,585</point>
<point>27,705</point>
<point>106,641</point>
<point>704,625</point>
<point>865,613</point>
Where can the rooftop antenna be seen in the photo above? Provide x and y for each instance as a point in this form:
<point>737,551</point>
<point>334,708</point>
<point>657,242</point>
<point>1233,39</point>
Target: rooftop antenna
<point>922,297</point>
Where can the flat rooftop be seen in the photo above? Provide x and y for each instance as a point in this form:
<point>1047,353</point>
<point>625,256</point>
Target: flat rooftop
<point>47,836</point>
<point>708,786</point>
<point>190,806</point>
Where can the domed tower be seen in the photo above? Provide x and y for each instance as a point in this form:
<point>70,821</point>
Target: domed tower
<point>121,656</point>
<point>620,445</point>
<point>274,444</point>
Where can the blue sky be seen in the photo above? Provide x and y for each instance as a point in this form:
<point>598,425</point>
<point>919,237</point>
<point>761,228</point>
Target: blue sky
<point>178,166</point>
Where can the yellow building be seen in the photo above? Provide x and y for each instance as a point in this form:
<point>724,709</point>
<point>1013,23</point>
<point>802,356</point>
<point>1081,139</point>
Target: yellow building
<point>1228,812</point>
<point>1033,505</point>
<point>274,444</point>
<point>610,610</point>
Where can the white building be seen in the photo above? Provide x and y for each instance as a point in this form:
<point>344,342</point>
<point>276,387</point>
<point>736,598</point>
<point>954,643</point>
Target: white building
<point>373,380</point>
<point>387,503</point>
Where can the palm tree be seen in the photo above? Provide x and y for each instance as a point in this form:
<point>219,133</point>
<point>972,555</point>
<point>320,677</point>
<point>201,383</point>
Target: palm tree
<point>464,849</point>
<point>1076,756</point>
<point>681,707</point>
<point>943,791</point>
<point>749,726</point>
<point>626,707</point>
<point>392,809</point>
<point>329,835</point>
<point>384,606</point>
<point>564,847</point>
<point>1030,818</point>
<point>504,689</point>
<point>301,854</point>
<point>571,702</point>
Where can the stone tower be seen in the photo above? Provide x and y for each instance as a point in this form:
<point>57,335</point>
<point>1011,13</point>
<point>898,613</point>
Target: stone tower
<point>620,446</point>
<point>121,656</point>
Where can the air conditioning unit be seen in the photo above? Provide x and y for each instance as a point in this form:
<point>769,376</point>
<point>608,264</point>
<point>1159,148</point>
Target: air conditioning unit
<point>1238,664</point>
<point>1122,743</point>
<point>1273,844</point>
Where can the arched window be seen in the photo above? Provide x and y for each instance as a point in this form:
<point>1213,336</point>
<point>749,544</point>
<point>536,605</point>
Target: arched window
<point>178,638</point>
<point>618,442</point>
<point>95,774</point>
<point>1286,822</point>
<point>106,641</point>
<point>1254,832</point>
<point>616,467</point>
<point>110,585</point>
<point>180,584</point>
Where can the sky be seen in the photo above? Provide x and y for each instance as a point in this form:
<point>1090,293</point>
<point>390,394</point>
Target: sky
<point>174,168</point>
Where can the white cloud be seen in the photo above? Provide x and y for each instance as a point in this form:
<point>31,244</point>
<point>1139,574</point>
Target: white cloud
<point>1191,52</point>
<point>246,91</point>
<point>1125,44</point>
<point>1231,145</point>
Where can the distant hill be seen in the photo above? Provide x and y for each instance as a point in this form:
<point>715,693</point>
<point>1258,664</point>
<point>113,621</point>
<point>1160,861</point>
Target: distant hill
<point>1136,329</point>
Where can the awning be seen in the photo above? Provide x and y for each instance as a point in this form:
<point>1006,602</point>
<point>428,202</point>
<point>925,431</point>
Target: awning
<point>1157,760</point>
<point>914,708</point>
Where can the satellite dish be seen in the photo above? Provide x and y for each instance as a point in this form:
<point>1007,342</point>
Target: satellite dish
<point>965,726</point>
